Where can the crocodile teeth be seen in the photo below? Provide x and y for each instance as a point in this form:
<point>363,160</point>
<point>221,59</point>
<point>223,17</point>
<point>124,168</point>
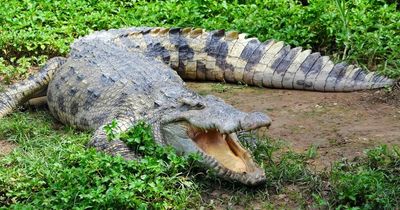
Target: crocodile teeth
<point>213,163</point>
<point>208,158</point>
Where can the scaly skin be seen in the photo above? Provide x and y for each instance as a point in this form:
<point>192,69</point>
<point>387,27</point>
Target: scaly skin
<point>231,57</point>
<point>124,74</point>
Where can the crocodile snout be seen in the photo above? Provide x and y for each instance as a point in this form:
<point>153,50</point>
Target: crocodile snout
<point>255,120</point>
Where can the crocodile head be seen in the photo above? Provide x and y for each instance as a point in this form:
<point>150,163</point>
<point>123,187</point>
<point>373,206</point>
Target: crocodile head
<point>208,126</point>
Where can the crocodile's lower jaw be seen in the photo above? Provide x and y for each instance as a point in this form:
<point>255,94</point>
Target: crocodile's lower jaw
<point>224,149</point>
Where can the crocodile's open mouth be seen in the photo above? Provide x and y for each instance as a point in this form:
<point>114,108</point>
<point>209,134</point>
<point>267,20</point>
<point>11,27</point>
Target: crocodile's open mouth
<point>224,148</point>
<point>220,151</point>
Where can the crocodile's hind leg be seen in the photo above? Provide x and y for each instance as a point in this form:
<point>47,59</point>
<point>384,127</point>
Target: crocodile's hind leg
<point>20,92</point>
<point>113,147</point>
<point>36,102</point>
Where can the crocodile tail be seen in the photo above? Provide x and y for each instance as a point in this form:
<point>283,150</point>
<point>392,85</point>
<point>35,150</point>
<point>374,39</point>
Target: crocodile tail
<point>18,93</point>
<point>232,57</point>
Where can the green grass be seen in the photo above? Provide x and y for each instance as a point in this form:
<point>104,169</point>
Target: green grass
<point>359,31</point>
<point>53,169</point>
<point>370,183</point>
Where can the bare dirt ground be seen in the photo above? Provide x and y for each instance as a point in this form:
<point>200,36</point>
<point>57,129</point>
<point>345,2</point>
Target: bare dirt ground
<point>338,124</point>
<point>6,147</point>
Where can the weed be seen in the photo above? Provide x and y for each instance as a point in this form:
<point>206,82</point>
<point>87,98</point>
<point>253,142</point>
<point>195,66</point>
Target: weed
<point>289,168</point>
<point>219,88</point>
<point>344,17</point>
<point>53,169</point>
<point>311,152</point>
<point>369,183</point>
<point>364,32</point>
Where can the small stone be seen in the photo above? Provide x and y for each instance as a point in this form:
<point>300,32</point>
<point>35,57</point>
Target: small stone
<point>281,196</point>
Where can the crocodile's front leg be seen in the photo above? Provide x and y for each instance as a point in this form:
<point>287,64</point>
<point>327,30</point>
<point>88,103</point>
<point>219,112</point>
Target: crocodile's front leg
<point>113,147</point>
<point>19,93</point>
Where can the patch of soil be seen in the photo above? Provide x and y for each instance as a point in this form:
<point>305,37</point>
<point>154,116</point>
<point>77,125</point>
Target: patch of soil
<point>6,147</point>
<point>228,197</point>
<point>341,125</point>
<point>390,97</point>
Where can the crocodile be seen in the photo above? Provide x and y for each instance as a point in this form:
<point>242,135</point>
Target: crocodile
<point>137,73</point>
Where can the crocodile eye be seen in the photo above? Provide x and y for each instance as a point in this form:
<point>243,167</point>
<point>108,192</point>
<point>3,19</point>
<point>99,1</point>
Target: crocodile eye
<point>199,106</point>
<point>193,106</point>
